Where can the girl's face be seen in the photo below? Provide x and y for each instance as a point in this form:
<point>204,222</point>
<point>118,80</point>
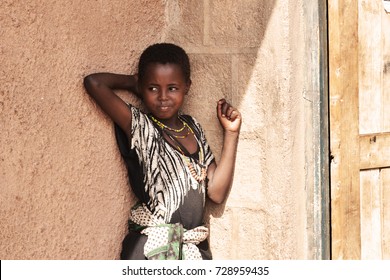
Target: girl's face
<point>163,90</point>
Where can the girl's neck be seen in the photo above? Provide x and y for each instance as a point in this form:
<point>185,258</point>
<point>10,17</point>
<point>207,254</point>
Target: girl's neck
<point>174,123</point>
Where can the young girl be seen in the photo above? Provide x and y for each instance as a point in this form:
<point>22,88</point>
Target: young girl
<point>170,165</point>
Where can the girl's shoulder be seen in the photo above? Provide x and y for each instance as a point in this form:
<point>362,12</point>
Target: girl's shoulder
<point>137,112</point>
<point>140,120</point>
<point>193,123</point>
<point>190,120</point>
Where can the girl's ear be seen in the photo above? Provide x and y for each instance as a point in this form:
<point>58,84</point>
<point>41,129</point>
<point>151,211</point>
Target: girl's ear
<point>139,89</point>
<point>188,86</point>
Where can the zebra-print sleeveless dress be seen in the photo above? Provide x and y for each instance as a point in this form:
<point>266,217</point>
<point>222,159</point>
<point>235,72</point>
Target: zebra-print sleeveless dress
<point>160,178</point>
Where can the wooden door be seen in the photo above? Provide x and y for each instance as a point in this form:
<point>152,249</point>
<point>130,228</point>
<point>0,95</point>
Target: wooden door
<point>359,85</point>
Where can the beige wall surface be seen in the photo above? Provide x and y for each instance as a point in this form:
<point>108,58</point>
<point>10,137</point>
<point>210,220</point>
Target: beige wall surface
<point>63,187</point>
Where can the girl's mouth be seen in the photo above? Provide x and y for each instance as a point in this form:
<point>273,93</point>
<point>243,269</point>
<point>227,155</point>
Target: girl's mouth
<point>163,107</point>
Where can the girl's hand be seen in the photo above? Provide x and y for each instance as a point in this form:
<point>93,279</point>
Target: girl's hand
<point>229,117</point>
<point>133,85</point>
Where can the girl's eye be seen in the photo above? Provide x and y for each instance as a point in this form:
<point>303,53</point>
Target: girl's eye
<point>153,88</point>
<point>173,89</point>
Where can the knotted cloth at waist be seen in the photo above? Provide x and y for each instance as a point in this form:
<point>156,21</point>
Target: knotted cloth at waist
<point>166,241</point>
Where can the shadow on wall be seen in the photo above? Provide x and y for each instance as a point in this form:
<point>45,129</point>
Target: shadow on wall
<point>232,65</point>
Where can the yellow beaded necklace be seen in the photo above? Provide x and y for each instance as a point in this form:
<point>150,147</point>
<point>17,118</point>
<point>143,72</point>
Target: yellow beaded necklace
<point>163,126</point>
<point>185,125</point>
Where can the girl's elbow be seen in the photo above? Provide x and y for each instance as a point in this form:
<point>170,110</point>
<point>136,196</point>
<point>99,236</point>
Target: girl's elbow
<point>216,198</point>
<point>88,81</point>
<point>91,84</point>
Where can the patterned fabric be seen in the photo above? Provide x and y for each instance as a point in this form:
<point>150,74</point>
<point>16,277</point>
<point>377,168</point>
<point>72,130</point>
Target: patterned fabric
<point>166,241</point>
<point>166,176</point>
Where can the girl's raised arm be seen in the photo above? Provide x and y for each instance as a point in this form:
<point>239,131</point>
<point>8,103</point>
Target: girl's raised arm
<point>101,86</point>
<point>221,176</point>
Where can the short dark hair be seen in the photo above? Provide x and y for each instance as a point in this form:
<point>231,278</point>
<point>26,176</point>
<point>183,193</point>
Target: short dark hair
<point>164,53</point>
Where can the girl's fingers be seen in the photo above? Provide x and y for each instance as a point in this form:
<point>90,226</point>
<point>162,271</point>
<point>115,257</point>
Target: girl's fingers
<point>224,109</point>
<point>230,110</point>
<point>229,117</point>
<point>227,111</point>
<point>234,114</point>
<point>223,106</point>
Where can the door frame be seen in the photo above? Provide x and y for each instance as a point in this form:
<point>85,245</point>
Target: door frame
<point>316,95</point>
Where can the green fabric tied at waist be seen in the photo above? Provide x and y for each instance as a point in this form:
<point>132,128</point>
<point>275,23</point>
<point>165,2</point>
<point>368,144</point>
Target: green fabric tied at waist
<point>166,241</point>
<point>173,248</point>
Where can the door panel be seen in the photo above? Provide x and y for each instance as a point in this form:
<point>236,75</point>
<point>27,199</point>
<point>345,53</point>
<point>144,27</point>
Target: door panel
<point>359,83</point>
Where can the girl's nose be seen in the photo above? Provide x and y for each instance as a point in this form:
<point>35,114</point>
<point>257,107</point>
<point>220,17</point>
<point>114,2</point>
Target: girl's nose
<point>162,95</point>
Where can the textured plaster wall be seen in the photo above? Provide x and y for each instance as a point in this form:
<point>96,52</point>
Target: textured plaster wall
<point>64,191</point>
